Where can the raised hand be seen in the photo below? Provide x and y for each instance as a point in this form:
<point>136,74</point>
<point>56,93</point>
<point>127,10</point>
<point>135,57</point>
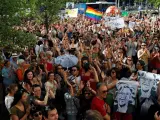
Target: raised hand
<point>156,116</point>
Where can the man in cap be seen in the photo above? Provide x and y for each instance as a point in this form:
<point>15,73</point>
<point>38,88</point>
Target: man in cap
<point>13,62</point>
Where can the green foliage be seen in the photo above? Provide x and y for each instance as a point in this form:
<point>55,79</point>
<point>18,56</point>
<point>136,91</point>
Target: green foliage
<point>156,3</point>
<point>46,8</point>
<point>18,40</point>
<point>11,14</point>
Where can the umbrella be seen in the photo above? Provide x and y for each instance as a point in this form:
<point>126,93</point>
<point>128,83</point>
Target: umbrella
<point>112,10</point>
<point>66,60</point>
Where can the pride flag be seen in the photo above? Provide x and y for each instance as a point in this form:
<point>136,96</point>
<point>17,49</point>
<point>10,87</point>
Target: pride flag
<point>93,14</point>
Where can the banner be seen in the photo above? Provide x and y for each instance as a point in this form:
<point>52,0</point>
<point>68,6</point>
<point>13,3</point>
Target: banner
<point>124,14</point>
<point>148,84</point>
<point>107,18</point>
<point>125,96</point>
<point>114,22</point>
<point>69,5</point>
<point>72,12</point>
<point>93,14</point>
<point>82,8</point>
<point>148,90</point>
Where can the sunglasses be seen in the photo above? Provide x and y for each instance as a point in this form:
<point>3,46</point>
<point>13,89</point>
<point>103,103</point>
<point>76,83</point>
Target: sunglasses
<point>120,52</point>
<point>87,49</point>
<point>85,62</point>
<point>37,114</point>
<point>51,75</point>
<point>74,70</point>
<point>60,68</point>
<point>104,91</point>
<point>88,94</point>
<point>113,72</point>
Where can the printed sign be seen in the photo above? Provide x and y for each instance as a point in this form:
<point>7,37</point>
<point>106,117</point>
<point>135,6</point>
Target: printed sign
<point>148,84</point>
<point>72,12</point>
<point>125,96</point>
<point>81,8</point>
<point>114,22</point>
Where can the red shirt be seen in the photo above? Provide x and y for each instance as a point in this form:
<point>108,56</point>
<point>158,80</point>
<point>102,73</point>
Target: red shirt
<point>90,78</point>
<point>99,105</point>
<point>155,62</point>
<point>49,66</point>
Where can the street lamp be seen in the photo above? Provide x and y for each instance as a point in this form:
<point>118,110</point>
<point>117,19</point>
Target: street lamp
<point>117,3</point>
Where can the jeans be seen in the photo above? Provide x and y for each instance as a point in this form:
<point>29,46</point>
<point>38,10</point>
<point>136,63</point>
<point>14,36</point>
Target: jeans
<point>71,117</point>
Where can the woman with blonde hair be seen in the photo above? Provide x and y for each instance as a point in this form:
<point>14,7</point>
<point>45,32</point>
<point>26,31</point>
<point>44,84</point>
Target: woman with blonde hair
<point>21,69</point>
<point>49,61</point>
<point>11,90</point>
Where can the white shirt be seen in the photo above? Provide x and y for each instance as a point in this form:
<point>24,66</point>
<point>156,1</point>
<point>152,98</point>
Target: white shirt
<point>8,101</point>
<point>74,79</point>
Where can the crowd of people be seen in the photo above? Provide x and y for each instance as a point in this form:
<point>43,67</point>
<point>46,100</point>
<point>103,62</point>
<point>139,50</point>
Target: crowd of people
<point>36,88</point>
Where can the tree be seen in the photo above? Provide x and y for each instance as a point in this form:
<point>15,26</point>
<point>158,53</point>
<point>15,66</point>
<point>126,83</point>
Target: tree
<point>156,3</point>
<point>46,11</point>
<point>11,14</point>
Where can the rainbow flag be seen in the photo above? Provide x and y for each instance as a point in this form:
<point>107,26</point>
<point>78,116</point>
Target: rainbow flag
<point>93,14</point>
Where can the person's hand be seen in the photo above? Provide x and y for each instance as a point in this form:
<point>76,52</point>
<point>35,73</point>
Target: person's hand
<point>57,49</point>
<point>64,73</point>
<point>47,89</point>
<point>92,68</point>
<point>103,75</point>
<point>79,55</point>
<point>88,85</point>
<point>145,50</point>
<point>69,84</point>
<point>40,71</point>
<point>51,93</point>
<point>155,55</point>
<point>81,86</point>
<point>95,62</point>
<point>156,116</point>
